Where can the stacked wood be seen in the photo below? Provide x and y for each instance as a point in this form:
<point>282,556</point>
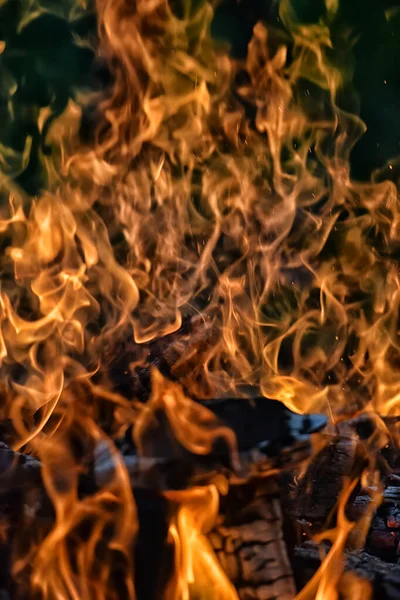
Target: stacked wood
<point>314,500</point>
<point>250,544</point>
<point>252,540</point>
<point>248,541</point>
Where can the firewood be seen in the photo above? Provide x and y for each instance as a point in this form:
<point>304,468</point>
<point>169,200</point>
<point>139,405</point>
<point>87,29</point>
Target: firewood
<point>130,363</point>
<point>269,438</point>
<point>17,470</point>
<point>314,501</point>
<point>250,546</point>
<point>384,577</point>
<point>347,449</point>
<point>249,541</point>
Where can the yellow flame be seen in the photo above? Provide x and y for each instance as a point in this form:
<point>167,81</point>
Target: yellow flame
<point>198,573</point>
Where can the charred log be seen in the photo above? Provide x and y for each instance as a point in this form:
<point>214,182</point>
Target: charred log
<point>250,546</point>
<point>249,541</point>
<point>384,577</point>
<point>129,364</point>
<point>317,492</point>
<point>269,437</point>
<point>345,453</point>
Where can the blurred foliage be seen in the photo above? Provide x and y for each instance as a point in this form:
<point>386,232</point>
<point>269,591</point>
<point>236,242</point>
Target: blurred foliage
<point>373,27</point>
<point>43,61</point>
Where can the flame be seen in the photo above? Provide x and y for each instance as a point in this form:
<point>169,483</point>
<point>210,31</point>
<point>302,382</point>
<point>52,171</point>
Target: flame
<point>198,571</point>
<point>323,586</point>
<point>194,426</point>
<point>212,187</point>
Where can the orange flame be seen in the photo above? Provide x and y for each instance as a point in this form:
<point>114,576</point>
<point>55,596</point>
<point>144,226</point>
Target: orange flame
<point>323,586</point>
<point>198,573</point>
<point>212,186</point>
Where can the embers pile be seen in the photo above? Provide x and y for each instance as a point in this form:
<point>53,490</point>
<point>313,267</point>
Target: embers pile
<point>372,547</point>
<point>255,514</point>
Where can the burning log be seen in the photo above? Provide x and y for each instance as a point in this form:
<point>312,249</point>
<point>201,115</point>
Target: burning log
<point>247,539</point>
<point>314,501</point>
<point>373,534</point>
<point>344,453</point>
<point>383,576</point>
<point>269,438</point>
<point>250,544</point>
<point>17,470</point>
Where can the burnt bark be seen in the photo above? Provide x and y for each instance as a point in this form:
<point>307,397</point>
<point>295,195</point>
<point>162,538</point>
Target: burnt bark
<point>384,577</point>
<point>318,490</point>
<point>250,546</point>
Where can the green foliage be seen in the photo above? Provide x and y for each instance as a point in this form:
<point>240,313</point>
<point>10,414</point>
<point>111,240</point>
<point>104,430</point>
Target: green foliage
<point>43,63</point>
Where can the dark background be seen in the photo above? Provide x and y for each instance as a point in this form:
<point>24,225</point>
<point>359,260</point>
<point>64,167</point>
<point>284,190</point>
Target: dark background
<point>41,64</point>
<point>375,27</point>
